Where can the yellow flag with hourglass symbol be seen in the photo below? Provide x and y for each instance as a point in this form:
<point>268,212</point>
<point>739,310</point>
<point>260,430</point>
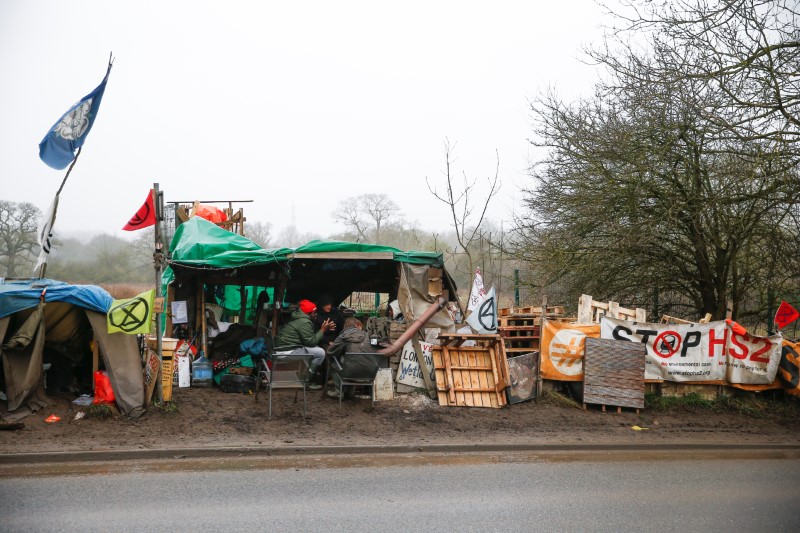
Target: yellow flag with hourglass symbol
<point>132,315</point>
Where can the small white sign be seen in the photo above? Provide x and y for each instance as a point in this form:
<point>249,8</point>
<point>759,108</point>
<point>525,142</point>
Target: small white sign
<point>383,385</point>
<point>409,372</point>
<point>179,315</point>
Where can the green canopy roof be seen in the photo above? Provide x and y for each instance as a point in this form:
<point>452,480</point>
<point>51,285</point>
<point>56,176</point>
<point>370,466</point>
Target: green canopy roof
<point>200,242</point>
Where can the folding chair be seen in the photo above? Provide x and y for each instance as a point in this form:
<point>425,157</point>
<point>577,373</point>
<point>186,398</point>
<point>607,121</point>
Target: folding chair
<point>355,369</point>
<point>283,370</point>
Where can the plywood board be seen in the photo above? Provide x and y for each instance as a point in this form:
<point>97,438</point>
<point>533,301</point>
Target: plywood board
<point>614,373</point>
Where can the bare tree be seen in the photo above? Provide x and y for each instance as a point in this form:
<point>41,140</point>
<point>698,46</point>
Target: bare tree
<point>260,233</point>
<point>674,176</point>
<point>747,52</point>
<point>18,226</point>
<point>364,213</point>
<point>459,197</point>
<point>290,237</point>
<point>348,213</point>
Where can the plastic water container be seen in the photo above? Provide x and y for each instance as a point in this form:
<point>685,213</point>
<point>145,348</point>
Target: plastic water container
<point>202,372</point>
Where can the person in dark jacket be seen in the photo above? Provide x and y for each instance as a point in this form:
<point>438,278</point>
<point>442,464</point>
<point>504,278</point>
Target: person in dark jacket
<point>327,311</point>
<point>299,335</point>
<point>353,338</point>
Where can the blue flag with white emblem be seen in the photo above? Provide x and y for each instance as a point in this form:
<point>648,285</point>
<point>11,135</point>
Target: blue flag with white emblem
<point>58,147</point>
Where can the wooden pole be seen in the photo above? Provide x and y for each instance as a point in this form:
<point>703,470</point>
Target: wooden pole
<point>157,260</point>
<point>539,380</point>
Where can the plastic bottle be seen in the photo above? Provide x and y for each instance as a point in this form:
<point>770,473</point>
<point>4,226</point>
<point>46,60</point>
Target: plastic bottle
<point>202,372</point>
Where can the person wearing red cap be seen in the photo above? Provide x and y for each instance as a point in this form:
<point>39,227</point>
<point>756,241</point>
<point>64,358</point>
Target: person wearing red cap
<point>298,334</point>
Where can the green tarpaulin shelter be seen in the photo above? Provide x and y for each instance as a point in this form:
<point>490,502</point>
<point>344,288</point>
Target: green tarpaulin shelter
<point>204,255</point>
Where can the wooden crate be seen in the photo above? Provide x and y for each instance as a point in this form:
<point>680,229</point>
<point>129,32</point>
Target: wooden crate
<point>518,321</point>
<point>613,373</point>
<point>471,376</point>
<point>531,310</point>
<point>520,339</point>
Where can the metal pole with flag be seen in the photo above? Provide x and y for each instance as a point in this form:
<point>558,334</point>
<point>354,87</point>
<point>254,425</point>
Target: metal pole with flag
<point>59,149</point>
<point>158,259</point>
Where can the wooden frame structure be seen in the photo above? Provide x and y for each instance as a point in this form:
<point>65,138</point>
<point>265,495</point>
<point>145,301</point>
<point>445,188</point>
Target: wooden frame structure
<point>591,311</point>
<point>471,376</point>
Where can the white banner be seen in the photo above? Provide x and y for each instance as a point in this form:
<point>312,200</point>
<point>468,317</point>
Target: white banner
<point>478,292</point>
<point>43,235</point>
<point>483,318</point>
<point>699,352</point>
<point>752,360</point>
<point>409,372</point>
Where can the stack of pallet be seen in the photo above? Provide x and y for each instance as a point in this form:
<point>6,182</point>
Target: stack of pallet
<point>391,330</point>
<point>520,327</point>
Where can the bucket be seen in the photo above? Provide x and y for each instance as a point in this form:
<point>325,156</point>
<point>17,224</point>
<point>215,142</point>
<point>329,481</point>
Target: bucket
<point>202,372</point>
<point>169,344</point>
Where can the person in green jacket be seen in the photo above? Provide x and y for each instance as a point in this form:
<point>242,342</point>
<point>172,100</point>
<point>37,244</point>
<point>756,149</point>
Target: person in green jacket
<point>298,335</point>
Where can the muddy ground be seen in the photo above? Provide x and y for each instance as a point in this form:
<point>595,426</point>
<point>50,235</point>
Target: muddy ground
<point>208,417</point>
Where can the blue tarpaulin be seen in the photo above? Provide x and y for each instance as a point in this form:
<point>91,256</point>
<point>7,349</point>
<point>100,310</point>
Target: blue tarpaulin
<point>16,295</point>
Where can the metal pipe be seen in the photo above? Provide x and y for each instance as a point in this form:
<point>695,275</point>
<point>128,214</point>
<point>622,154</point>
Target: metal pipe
<point>415,327</point>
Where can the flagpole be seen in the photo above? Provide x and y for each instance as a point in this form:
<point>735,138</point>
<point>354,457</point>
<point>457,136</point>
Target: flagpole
<point>57,146</point>
<point>43,269</point>
<point>157,260</point>
<point>64,181</point>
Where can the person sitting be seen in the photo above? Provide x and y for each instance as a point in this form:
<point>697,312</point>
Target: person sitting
<point>298,333</point>
<point>352,339</point>
<point>327,311</point>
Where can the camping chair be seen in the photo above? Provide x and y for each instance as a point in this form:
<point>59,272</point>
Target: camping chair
<point>355,369</point>
<point>280,370</point>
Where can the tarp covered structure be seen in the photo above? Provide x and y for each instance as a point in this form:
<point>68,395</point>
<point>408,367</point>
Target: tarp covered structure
<point>204,254</point>
<point>44,318</point>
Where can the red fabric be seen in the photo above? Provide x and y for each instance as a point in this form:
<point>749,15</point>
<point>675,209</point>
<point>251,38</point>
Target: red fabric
<point>786,315</point>
<point>307,307</point>
<point>144,217</point>
<point>211,213</point>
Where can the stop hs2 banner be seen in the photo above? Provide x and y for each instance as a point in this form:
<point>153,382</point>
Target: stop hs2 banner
<point>700,352</point>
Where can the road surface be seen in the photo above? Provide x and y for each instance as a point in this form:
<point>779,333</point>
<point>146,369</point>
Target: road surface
<point>482,492</point>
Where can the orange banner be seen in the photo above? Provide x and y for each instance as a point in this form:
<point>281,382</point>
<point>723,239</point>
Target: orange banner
<point>562,349</point>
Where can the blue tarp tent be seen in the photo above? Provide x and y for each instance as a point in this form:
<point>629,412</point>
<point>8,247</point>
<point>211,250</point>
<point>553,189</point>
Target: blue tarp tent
<point>48,321</point>
<point>16,295</point>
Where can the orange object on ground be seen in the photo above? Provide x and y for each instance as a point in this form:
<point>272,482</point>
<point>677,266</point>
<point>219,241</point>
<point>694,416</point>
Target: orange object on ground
<point>52,418</point>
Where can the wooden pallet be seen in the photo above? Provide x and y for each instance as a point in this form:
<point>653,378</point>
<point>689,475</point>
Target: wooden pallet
<point>471,376</point>
<point>530,310</point>
<point>520,339</point>
<point>519,321</point>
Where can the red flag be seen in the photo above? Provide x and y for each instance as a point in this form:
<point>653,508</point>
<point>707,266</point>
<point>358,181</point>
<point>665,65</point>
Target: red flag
<point>144,217</point>
<point>786,315</point>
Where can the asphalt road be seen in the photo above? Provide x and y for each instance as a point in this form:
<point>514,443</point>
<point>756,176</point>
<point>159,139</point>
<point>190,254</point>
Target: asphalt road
<point>452,493</point>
